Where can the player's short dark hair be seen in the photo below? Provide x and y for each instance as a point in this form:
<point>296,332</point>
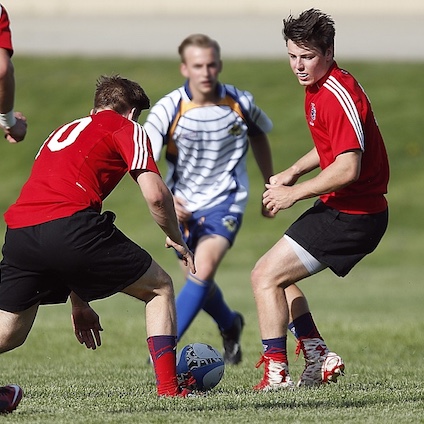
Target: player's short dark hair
<point>312,28</point>
<point>120,94</point>
<point>198,40</point>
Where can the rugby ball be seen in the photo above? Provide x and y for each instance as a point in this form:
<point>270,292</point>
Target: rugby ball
<point>199,367</point>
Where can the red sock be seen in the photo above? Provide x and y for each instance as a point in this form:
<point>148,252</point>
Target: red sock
<point>163,352</point>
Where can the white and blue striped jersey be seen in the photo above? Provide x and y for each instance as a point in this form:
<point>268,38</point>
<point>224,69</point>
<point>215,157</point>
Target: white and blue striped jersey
<point>206,146</point>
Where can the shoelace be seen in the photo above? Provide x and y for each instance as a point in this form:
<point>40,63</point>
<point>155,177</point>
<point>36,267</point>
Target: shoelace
<point>188,383</point>
<point>298,349</point>
<point>261,361</point>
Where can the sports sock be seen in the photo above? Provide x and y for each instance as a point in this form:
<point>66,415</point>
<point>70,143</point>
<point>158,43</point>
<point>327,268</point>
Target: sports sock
<point>163,353</point>
<point>216,307</point>
<point>276,348</point>
<point>304,327</point>
<point>189,302</point>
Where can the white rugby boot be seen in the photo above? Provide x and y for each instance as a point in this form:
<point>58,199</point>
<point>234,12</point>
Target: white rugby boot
<point>321,366</point>
<point>276,375</point>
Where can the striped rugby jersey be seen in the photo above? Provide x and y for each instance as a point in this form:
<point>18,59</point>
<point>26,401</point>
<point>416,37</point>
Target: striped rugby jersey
<point>206,146</point>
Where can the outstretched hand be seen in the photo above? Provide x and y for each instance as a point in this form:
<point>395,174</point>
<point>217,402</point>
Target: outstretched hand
<point>186,254</point>
<point>86,325</point>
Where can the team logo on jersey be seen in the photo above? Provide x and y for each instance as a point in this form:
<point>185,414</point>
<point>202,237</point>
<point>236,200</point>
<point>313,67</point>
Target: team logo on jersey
<point>235,129</point>
<point>230,223</point>
<point>312,115</point>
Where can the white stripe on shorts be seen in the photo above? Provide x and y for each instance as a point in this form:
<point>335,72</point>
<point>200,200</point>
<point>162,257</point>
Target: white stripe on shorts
<point>312,264</point>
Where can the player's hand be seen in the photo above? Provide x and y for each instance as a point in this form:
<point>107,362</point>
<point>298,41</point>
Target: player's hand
<point>86,325</point>
<point>286,177</point>
<point>277,197</point>
<point>18,131</point>
<point>186,254</point>
<point>267,213</point>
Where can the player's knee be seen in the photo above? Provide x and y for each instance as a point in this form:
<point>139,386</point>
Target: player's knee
<point>257,277</point>
<point>262,279</point>
<point>10,339</point>
<point>166,285</point>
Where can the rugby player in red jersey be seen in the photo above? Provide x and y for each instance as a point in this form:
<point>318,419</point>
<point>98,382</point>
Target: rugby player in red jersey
<point>59,244</point>
<point>346,222</point>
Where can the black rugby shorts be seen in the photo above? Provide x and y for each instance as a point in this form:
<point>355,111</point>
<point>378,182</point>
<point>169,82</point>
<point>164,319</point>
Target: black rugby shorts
<point>338,240</point>
<point>85,253</point>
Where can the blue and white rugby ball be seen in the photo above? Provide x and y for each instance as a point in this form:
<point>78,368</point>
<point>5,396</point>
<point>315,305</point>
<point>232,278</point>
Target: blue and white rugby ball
<point>199,367</point>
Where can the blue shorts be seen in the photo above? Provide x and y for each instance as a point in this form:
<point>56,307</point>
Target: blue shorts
<point>214,221</point>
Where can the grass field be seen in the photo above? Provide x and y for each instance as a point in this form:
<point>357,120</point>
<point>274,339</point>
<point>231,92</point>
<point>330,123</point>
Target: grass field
<point>373,318</point>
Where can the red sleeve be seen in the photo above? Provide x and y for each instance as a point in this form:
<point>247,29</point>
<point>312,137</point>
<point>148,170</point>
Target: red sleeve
<point>5,34</point>
<point>138,154</point>
<point>342,124</point>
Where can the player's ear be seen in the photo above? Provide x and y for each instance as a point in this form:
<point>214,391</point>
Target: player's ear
<point>329,54</point>
<point>183,70</point>
<point>92,112</point>
<point>134,114</point>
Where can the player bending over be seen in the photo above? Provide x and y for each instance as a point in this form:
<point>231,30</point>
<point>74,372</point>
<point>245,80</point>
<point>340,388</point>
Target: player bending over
<point>58,244</point>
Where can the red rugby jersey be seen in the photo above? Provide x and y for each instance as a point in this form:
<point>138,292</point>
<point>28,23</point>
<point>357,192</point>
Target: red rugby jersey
<point>5,34</point>
<point>78,165</point>
<point>340,118</point>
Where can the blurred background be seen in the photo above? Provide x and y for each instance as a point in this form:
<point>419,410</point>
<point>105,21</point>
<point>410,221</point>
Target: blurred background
<point>366,29</point>
<point>373,317</point>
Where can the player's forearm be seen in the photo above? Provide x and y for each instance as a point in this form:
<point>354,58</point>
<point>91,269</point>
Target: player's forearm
<point>342,172</point>
<point>262,153</point>
<point>163,214</point>
<point>76,301</point>
<point>160,203</point>
<point>306,163</point>
<point>7,82</point>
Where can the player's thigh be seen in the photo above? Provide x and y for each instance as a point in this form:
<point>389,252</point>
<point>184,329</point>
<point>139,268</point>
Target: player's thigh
<point>155,281</point>
<point>279,266</point>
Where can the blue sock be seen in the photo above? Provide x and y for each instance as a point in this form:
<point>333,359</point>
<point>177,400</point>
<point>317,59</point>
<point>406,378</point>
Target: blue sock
<point>277,346</point>
<point>189,302</point>
<point>292,329</point>
<point>304,327</point>
<point>216,307</point>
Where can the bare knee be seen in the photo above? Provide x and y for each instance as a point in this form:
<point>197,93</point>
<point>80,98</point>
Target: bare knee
<point>155,282</point>
<point>258,277</point>
<point>11,341</point>
<point>14,328</point>
<point>267,277</point>
<point>165,285</point>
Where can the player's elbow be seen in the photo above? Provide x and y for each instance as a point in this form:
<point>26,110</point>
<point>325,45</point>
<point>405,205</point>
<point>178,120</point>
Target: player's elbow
<point>350,167</point>
<point>156,201</point>
<point>351,176</point>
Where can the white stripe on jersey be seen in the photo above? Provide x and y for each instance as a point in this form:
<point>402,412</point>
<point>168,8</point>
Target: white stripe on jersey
<point>210,143</point>
<point>140,148</point>
<point>348,106</point>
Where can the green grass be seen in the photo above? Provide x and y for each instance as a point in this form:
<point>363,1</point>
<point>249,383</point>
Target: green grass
<point>373,317</point>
